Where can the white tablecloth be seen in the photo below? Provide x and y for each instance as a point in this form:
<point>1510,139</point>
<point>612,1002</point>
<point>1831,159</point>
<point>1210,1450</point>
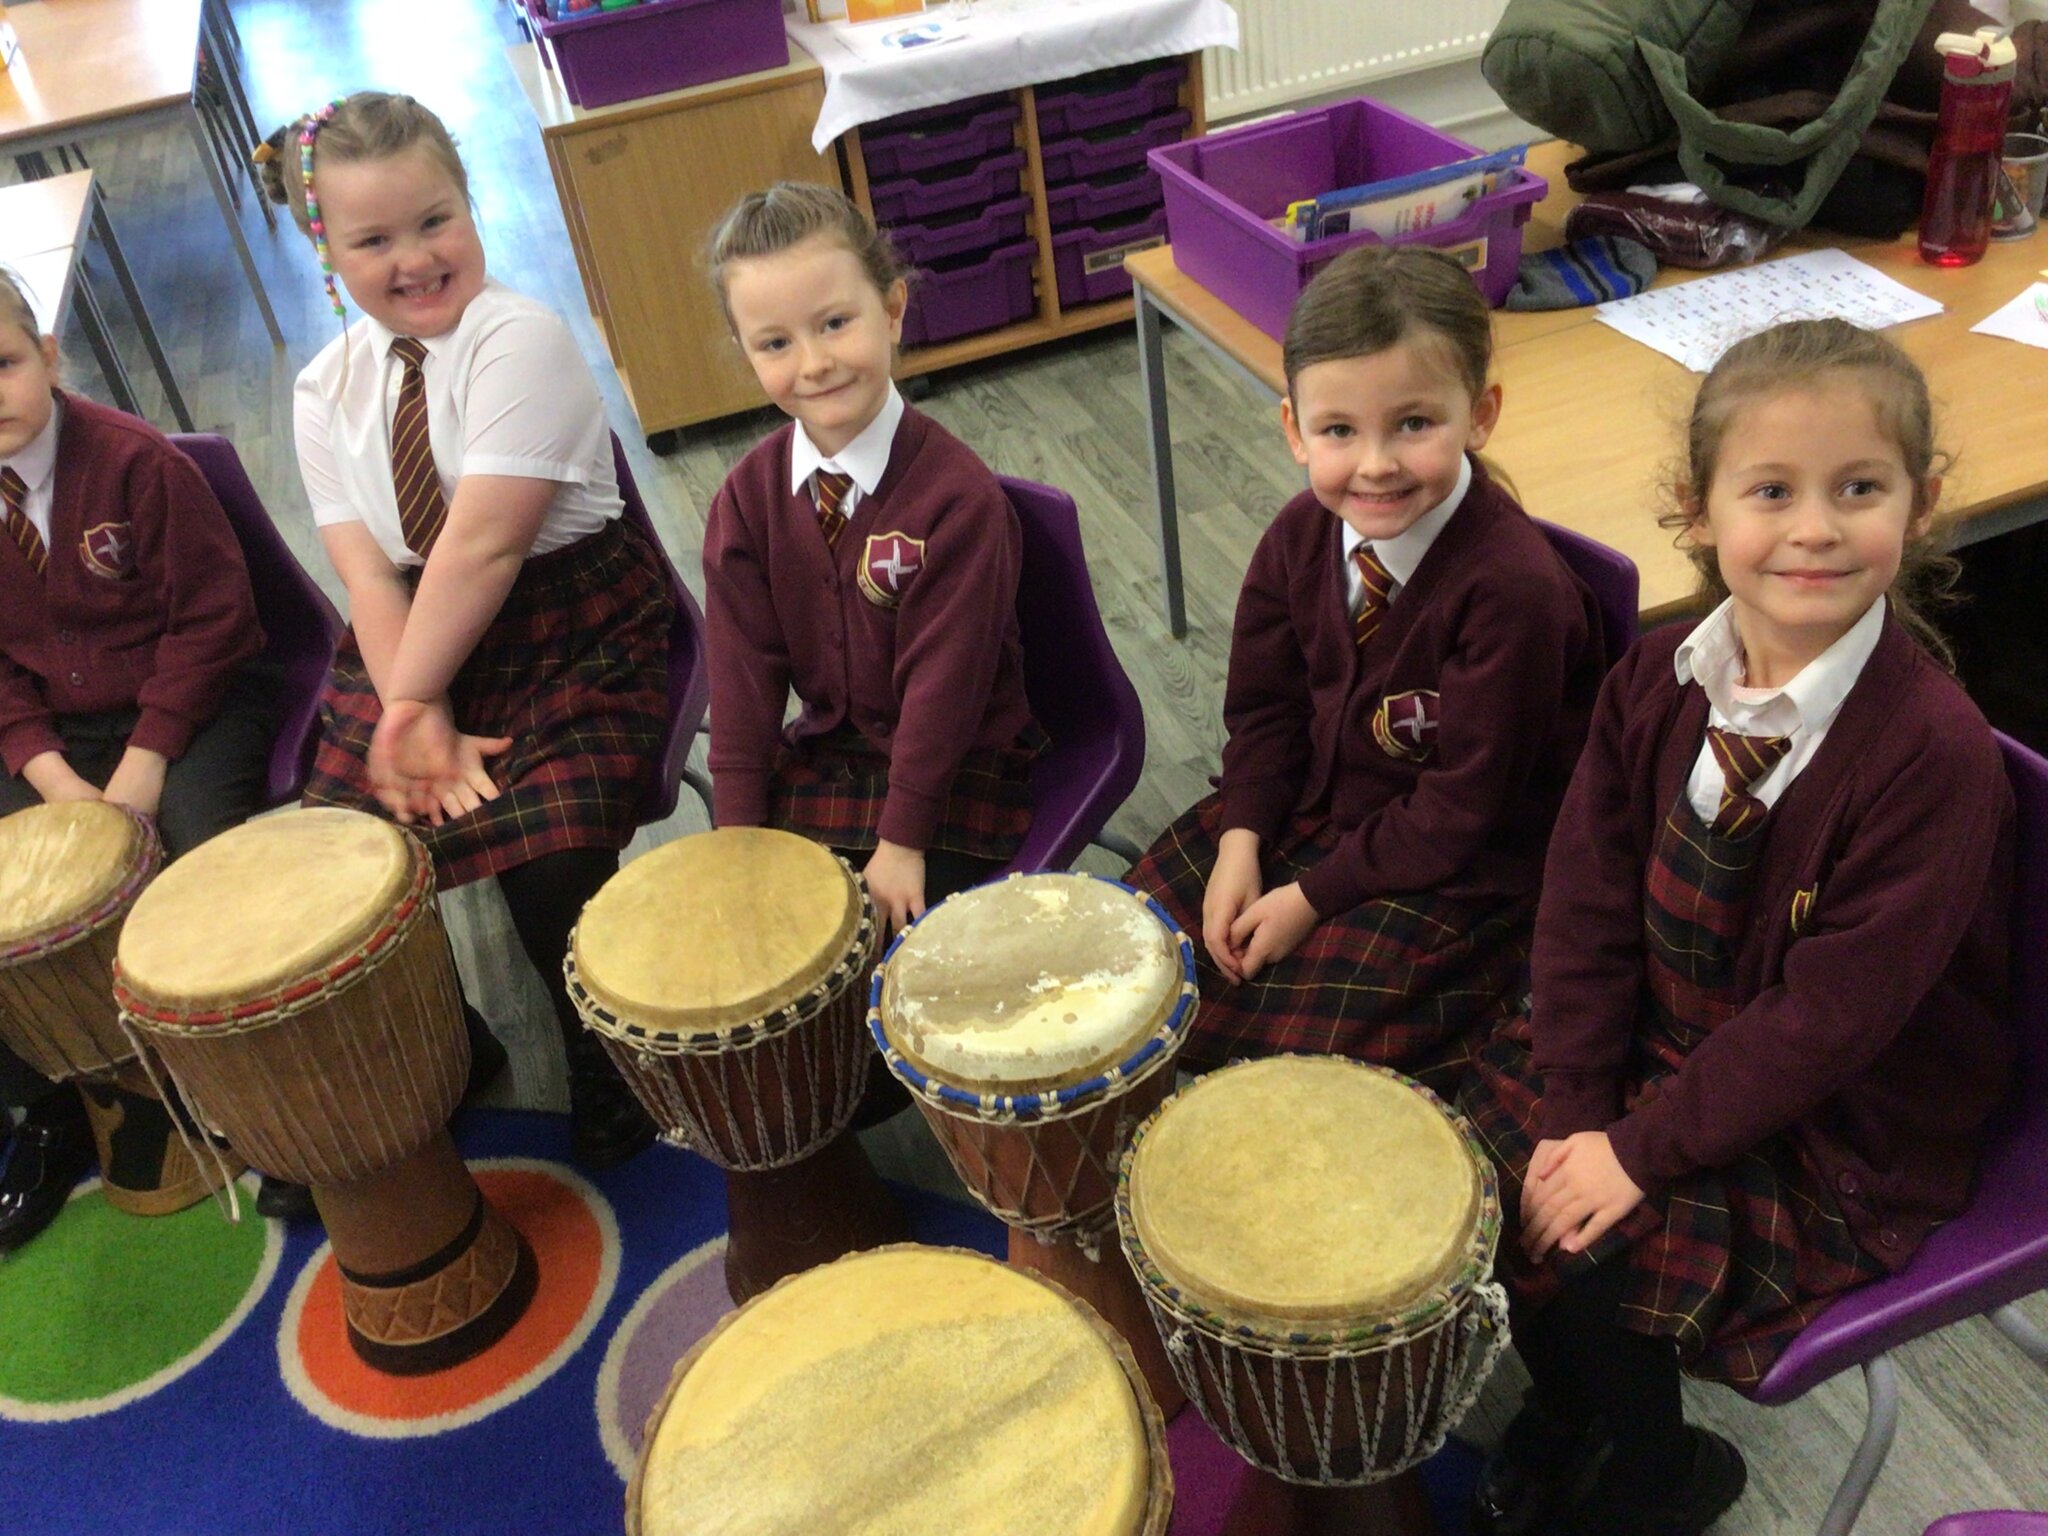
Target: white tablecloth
<point>873,70</point>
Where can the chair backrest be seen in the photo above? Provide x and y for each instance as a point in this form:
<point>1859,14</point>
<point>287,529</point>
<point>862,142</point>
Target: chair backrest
<point>300,626</point>
<point>2028,771</point>
<point>689,681</point>
<point>1078,689</point>
<point>1991,1522</point>
<point>1611,577</point>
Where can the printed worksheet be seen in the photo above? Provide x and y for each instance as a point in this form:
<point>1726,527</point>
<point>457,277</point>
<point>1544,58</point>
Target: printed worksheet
<point>1696,322</point>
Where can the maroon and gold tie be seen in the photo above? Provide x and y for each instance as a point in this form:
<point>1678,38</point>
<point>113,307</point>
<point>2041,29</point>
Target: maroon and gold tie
<point>14,491</point>
<point>421,508</point>
<point>1377,582</point>
<point>830,491</point>
<point>1743,760</point>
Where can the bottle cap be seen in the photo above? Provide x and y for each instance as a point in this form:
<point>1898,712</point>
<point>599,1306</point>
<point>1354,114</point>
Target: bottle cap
<point>1968,55</point>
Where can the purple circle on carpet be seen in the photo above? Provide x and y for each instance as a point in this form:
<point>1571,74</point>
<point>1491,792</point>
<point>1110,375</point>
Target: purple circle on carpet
<point>673,1313</point>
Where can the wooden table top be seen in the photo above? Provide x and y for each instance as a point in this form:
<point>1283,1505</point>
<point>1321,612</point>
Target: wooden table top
<point>1591,422</point>
<point>90,61</point>
<point>41,225</point>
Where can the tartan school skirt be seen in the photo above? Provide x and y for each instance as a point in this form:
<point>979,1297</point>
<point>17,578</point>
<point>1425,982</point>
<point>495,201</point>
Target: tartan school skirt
<point>831,789</point>
<point>1414,982</point>
<point>575,670</point>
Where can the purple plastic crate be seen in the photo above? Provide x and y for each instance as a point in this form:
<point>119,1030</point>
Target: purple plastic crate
<point>948,189</point>
<point>1224,191</point>
<point>663,45</point>
<point>1109,96</point>
<point>1089,263</point>
<point>997,224</point>
<point>1089,202</point>
<point>943,143</point>
<point>968,294</point>
<point>924,117</point>
<point>1094,155</point>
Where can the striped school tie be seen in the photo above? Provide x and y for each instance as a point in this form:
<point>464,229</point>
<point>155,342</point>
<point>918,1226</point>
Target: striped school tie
<point>1377,582</point>
<point>421,508</point>
<point>1743,760</point>
<point>830,491</point>
<point>14,491</point>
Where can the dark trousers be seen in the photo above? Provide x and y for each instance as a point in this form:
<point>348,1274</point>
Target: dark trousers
<point>545,898</point>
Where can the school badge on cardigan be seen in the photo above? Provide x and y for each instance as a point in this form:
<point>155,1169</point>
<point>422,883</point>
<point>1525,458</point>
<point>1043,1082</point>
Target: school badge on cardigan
<point>888,565</point>
<point>108,550</point>
<point>1802,908</point>
<point>1405,724</point>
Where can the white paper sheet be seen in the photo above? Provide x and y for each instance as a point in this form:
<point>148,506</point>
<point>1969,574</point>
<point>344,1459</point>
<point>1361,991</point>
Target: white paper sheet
<point>1696,322</point>
<point>2022,320</point>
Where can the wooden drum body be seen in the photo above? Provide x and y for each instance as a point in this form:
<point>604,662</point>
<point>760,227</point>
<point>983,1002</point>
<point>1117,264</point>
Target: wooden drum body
<point>1315,1238</point>
<point>293,978</point>
<point>900,1392</point>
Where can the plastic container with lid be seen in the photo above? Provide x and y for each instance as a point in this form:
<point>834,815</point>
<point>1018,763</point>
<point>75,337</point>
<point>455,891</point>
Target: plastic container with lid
<point>1963,166</point>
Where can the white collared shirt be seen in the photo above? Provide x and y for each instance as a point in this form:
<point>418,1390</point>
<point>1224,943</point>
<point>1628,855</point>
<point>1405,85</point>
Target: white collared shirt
<point>1402,554</point>
<point>36,463</point>
<point>1803,709</point>
<point>508,393</point>
<point>863,461</point>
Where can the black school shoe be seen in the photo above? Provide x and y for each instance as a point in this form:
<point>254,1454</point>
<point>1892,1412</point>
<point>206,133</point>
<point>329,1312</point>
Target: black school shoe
<point>607,1123</point>
<point>48,1154</point>
<point>1542,1462</point>
<point>1717,1479</point>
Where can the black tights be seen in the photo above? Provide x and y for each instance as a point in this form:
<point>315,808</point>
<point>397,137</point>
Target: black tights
<point>546,897</point>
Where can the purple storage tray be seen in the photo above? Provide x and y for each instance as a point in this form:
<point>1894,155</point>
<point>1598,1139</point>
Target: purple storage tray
<point>1089,263</point>
<point>1111,96</point>
<point>1085,202</point>
<point>945,143</point>
<point>997,224</point>
<point>970,294</point>
<point>1223,191</point>
<point>662,45</point>
<point>924,117</point>
<point>1072,159</point>
<point>948,189</point>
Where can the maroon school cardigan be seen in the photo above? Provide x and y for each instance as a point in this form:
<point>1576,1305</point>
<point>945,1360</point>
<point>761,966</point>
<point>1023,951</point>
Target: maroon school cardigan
<point>1876,1033</point>
<point>1493,624</point>
<point>145,603</point>
<point>926,665</point>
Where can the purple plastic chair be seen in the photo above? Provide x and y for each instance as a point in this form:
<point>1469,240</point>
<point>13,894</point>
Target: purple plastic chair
<point>300,625</point>
<point>1077,687</point>
<point>1991,1522</point>
<point>1611,577</point>
<point>1992,1255</point>
<point>689,683</point>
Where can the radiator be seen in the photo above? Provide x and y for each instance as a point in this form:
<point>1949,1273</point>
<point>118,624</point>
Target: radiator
<point>1292,50</point>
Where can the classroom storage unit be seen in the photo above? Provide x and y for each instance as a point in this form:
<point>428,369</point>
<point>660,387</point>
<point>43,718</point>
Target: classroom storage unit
<point>611,55</point>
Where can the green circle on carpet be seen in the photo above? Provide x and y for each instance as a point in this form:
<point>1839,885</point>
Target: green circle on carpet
<point>102,1301</point>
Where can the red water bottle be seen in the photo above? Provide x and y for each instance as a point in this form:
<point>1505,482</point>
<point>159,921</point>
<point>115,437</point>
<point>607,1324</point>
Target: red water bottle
<point>1963,168</point>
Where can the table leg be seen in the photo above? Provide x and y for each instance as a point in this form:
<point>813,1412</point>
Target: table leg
<point>1152,371</point>
<point>95,322</point>
<point>238,106</point>
<point>227,212</point>
<point>104,228</point>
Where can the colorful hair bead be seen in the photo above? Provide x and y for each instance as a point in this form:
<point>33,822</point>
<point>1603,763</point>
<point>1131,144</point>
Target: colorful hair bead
<point>309,130</point>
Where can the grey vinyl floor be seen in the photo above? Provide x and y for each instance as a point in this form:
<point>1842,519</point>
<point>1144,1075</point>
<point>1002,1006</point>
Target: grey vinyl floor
<point>1975,1421</point>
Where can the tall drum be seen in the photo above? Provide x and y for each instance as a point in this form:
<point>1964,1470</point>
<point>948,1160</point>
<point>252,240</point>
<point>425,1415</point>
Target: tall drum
<point>293,976</point>
<point>902,1392</point>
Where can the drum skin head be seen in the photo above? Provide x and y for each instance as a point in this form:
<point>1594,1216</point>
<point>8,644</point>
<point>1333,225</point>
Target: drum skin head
<point>61,863</point>
<point>1305,1189</point>
<point>1031,983</point>
<point>262,905</point>
<point>717,929</point>
<point>899,1393</point>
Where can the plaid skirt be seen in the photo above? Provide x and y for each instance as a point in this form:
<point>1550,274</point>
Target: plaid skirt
<point>1413,982</point>
<point>831,789</point>
<point>575,670</point>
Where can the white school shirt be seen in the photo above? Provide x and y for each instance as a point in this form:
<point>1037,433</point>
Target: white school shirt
<point>1402,554</point>
<point>1803,709</point>
<point>36,463</point>
<point>508,393</point>
<point>863,461</point>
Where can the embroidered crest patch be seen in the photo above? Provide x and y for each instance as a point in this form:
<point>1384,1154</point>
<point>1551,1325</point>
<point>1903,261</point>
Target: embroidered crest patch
<point>1405,724</point>
<point>888,565</point>
<point>108,550</point>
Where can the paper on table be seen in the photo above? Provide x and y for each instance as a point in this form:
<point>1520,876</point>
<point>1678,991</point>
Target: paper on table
<point>1696,322</point>
<point>2021,320</point>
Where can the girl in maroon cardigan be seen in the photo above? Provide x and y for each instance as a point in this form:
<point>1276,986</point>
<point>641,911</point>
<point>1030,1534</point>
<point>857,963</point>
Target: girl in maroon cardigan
<point>1767,1029</point>
<point>1411,671</point>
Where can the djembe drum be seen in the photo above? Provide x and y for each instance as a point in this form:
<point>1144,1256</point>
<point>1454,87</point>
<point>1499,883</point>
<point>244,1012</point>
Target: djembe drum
<point>1315,1238</point>
<point>68,876</point>
<point>293,977</point>
<point>1035,1019</point>
<point>725,973</point>
<point>901,1392</point>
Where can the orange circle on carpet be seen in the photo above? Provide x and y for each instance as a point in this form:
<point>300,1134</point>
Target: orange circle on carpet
<point>575,1243</point>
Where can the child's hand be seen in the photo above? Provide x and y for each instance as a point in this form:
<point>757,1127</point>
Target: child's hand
<point>50,776</point>
<point>420,765</point>
<point>1272,928</point>
<point>138,780</point>
<point>895,877</point>
<point>1575,1191</point>
<point>1234,884</point>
